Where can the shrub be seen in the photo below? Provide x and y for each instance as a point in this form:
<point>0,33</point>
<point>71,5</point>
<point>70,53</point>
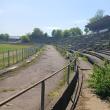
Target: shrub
<point>25,39</point>
<point>100,80</point>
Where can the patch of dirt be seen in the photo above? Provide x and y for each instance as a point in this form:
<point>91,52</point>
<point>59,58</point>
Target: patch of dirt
<point>48,63</point>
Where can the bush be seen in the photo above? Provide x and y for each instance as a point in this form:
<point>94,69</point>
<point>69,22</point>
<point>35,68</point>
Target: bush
<point>100,80</point>
<point>25,39</point>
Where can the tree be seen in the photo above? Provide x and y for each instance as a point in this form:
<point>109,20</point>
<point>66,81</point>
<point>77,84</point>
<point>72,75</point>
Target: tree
<point>57,33</point>
<point>99,14</point>
<point>4,37</point>
<point>53,33</point>
<point>86,30</point>
<point>36,34</point>
<point>25,38</point>
<point>66,33</point>
<point>75,31</point>
<point>45,35</point>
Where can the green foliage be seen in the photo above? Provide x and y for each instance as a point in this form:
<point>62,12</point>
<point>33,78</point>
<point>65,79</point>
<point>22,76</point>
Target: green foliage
<point>67,33</point>
<point>75,31</point>
<point>99,14</point>
<point>100,80</point>
<point>86,30</point>
<point>85,58</point>
<point>36,34</point>
<point>25,39</point>
<point>4,37</point>
<point>57,33</point>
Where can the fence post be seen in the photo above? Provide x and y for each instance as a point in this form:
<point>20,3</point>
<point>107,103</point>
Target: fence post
<point>3,60</point>
<point>13,56</point>
<point>68,74</point>
<point>29,52</point>
<point>42,95</point>
<point>16,56</point>
<point>22,54</point>
<point>8,58</point>
<point>26,53</point>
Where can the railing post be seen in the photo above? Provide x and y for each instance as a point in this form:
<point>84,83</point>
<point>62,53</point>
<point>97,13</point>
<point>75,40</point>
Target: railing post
<point>42,95</point>
<point>68,74</point>
<point>74,64</point>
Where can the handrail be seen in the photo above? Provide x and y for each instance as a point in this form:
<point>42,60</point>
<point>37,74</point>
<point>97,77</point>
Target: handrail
<point>66,97</point>
<point>32,86</point>
<point>73,90</point>
<point>78,91</point>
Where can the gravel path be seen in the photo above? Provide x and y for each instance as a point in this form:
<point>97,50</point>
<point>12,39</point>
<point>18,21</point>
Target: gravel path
<point>48,63</point>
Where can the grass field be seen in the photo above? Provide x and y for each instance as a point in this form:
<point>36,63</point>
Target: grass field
<point>11,47</point>
<point>13,53</point>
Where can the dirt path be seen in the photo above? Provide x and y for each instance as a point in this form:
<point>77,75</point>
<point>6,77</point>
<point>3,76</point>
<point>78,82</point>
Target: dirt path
<point>48,63</point>
<point>88,100</point>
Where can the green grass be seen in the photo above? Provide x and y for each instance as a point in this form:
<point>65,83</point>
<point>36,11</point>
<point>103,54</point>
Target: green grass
<point>15,53</point>
<point>7,90</point>
<point>11,47</point>
<point>12,60</point>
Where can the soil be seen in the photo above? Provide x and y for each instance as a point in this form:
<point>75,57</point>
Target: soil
<point>49,62</point>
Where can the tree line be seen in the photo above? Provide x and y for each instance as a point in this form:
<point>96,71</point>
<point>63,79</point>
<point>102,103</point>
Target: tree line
<point>4,37</point>
<point>38,34</point>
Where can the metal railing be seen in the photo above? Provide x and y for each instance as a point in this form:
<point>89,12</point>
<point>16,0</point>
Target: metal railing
<point>42,82</point>
<point>72,92</point>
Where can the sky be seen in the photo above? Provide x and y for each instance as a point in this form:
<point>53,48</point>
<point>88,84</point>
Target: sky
<point>18,17</point>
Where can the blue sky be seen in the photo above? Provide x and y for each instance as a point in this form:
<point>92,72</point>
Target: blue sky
<point>18,17</point>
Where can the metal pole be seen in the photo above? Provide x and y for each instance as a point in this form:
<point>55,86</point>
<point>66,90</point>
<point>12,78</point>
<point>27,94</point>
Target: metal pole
<point>74,63</point>
<point>68,74</point>
<point>42,95</point>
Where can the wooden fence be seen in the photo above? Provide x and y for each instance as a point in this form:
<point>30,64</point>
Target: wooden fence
<point>12,57</point>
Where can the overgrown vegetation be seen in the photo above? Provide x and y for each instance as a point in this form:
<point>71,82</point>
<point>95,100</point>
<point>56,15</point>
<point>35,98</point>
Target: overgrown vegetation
<point>100,80</point>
